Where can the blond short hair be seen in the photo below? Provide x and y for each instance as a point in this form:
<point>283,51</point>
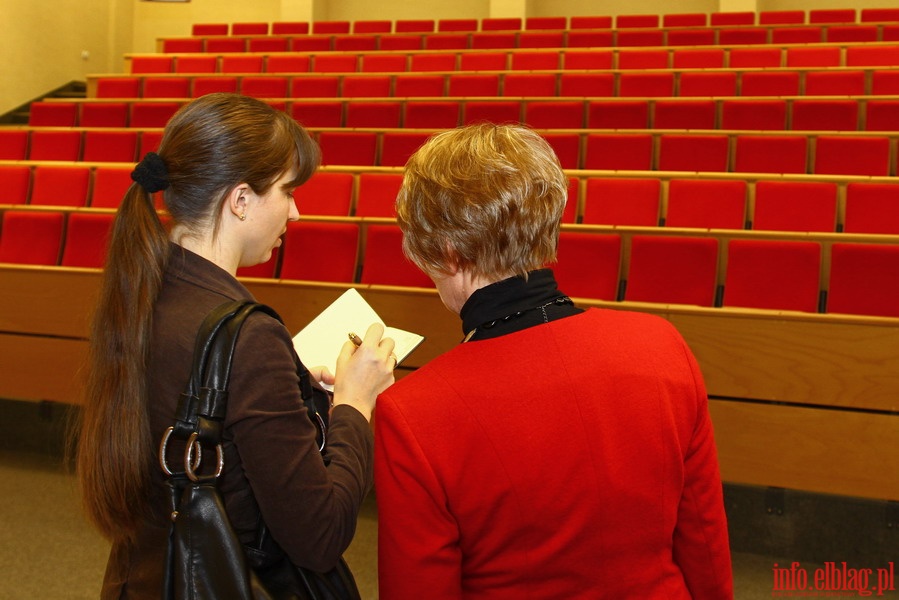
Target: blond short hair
<point>486,198</point>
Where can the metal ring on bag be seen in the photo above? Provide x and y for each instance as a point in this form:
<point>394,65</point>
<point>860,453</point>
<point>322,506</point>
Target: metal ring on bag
<point>323,428</point>
<point>190,465</point>
<point>163,447</point>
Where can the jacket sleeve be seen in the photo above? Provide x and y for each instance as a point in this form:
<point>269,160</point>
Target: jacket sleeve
<point>418,557</point>
<point>310,508</point>
<point>701,546</point>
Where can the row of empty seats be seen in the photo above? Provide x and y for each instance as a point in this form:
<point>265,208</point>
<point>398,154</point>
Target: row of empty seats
<point>734,57</point>
<point>820,153</point>
<point>837,277</point>
<point>575,38</point>
<point>678,200</point>
<point>570,84</point>
<point>765,17</point>
<point>846,114</point>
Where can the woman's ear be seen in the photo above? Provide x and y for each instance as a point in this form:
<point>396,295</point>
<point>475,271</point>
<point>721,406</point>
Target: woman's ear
<point>236,201</point>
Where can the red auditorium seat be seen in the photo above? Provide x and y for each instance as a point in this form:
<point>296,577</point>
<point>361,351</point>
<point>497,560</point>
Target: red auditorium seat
<point>707,153</point>
<point>771,154</point>
<point>311,43</point>
<point>415,85</point>
<point>53,114</point>
<point>270,43</point>
<point>318,114</point>
<point>447,41</point>
<point>679,270</point>
<point>541,39</point>
<point>643,58</point>
<point>167,87</point>
<point>591,39</point>
<point>872,208</point>
<point>316,86</point>
<point>110,146</point>
<point>151,64</point>
<point>14,180</point>
<point>214,84</point>
<point>812,56</point>
<point>483,61</point>
<point>118,87</point>
<point>618,151</point>
<point>560,114</point>
<point>835,83</point>
<point>326,193</point>
<point>221,45</point>
<point>501,24</point>
<point>200,29</point>
<point>851,33</point>
<point>698,58</point>
<point>152,114</point>
<point>103,114</point>
<point>732,18</point>
<point>690,37</point>
<point>841,155</point>
<point>535,61</point>
<point>815,114</point>
<point>685,20</point>
<point>31,237</point>
<point>769,83</point>
<point>366,86</point>
<point>338,241</point>
<point>433,62</point>
<point>864,279</point>
<point>55,145</point>
<point>884,83</point>
<point>60,185</point>
<point>401,42</point>
<point>398,146</point>
<point>587,59</point>
<point>831,15</point>
<point>773,274</point>
<point>467,84</point>
<point>384,63</point>
<point>587,84</point>
<point>348,148</point>
<point>588,265</point>
<point>620,201</point>
<point>754,58</point>
<point>728,36</point>
<point>781,17</point>
<point>457,25</point>
<point>383,262</point>
<point>384,115</point>
<point>110,185</point>
<point>706,203</point>
<point>197,64</point>
<point>176,46</point>
<point>86,239</point>
<point>287,63</point>
<point>476,111</point>
<point>290,27</point>
<point>646,84</point>
<point>13,144</point>
<point>414,25</point>
<point>247,28</point>
<point>373,26</point>
<point>322,27</point>
<point>754,114</point>
<point>795,206</point>
<point>264,87</point>
<point>545,23</point>
<point>567,147</point>
<point>243,63</point>
<point>529,84</point>
<point>703,83</point>
<point>634,21</point>
<point>591,22</point>
<point>377,194</point>
<point>864,55</point>
<point>683,114</point>
<point>355,43</point>
<point>337,63</point>
<point>431,115</point>
<point>797,35</point>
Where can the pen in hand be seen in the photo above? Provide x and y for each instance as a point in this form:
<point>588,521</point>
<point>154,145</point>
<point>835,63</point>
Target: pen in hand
<point>357,341</point>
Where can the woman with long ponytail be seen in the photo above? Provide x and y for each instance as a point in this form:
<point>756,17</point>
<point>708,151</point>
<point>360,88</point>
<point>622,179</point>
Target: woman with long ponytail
<point>226,169</point>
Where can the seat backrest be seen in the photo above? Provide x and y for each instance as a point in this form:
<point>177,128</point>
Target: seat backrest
<point>588,265</point>
<point>618,151</point>
<point>872,208</point>
<point>431,115</point>
<point>398,146</point>
<point>87,235</point>
<point>622,201</point>
<point>833,115</point>
<point>348,148</point>
<point>306,240</point>
<point>762,114</point>
<point>706,203</point>
<point>842,155</point>
<point>60,185</point>
<point>52,144</point>
<point>365,86</point>
<point>684,152</point>
<point>103,114</point>
<point>773,274</point>
<point>53,114</point>
<point>679,270</point>
<point>377,194</point>
<point>15,181</point>
<point>31,237</point>
<point>13,144</point>
<point>384,263</point>
<point>326,193</point>
<point>795,206</point>
<point>771,154</point>
<point>110,146</point>
<point>864,279</point>
<point>110,185</point>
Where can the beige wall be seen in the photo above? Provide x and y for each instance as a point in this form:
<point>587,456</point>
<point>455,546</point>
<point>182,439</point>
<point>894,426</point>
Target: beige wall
<point>43,40</point>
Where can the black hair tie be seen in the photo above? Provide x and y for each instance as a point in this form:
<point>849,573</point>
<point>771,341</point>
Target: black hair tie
<point>151,173</point>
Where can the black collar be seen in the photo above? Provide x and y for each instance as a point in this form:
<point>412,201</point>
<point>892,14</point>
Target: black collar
<point>514,304</point>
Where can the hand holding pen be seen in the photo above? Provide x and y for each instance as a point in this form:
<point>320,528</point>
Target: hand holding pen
<point>364,369</point>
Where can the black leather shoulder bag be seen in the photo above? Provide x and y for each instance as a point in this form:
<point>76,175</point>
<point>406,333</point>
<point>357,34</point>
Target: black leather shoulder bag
<point>205,557</point>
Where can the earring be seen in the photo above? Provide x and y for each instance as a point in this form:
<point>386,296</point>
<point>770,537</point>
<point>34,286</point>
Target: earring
<point>242,216</point>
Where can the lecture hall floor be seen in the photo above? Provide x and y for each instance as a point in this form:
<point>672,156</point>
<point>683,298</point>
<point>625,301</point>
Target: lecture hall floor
<point>48,551</point>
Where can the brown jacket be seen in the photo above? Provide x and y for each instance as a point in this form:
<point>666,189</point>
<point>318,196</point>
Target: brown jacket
<point>273,468</point>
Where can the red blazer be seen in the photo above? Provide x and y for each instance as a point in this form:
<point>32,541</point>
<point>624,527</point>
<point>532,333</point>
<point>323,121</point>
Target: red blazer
<point>574,459</point>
